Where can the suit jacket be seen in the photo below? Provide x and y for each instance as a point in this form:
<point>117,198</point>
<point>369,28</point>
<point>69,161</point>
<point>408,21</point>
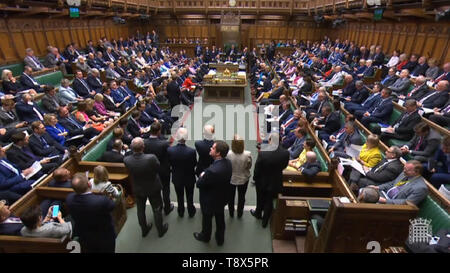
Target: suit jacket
<point>269,168</point>
<point>182,159</point>
<point>383,110</point>
<point>414,191</point>
<point>94,83</point>
<point>9,120</point>
<point>92,213</point>
<point>144,169</point>
<point>51,104</point>
<point>33,62</point>
<point>159,148</point>
<point>349,89</point>
<point>51,61</point>
<point>405,124</point>
<point>420,93</point>
<point>332,123</point>
<point>12,229</point>
<point>212,185</point>
<point>311,169</point>
<point>438,99</point>
<point>204,159</point>
<point>111,156</point>
<point>38,147</point>
<point>388,81</point>
<point>173,93</point>
<point>26,112</point>
<point>28,82</point>
<point>385,171</point>
<point>20,158</point>
<point>112,74</point>
<point>71,127</point>
<point>369,72</point>
<point>420,69</point>
<point>9,179</point>
<point>296,148</point>
<point>359,96</point>
<point>429,145</point>
<point>133,128</point>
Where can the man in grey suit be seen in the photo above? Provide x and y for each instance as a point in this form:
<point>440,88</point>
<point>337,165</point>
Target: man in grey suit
<point>408,186</point>
<point>144,170</point>
<point>401,85</point>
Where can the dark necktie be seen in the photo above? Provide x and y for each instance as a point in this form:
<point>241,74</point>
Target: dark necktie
<point>418,144</point>
<point>29,153</point>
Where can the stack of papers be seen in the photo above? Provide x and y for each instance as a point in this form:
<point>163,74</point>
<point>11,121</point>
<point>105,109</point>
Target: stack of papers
<point>354,164</point>
<point>353,150</point>
<point>36,168</point>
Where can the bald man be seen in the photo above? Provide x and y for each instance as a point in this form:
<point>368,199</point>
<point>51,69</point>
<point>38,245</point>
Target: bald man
<point>312,166</point>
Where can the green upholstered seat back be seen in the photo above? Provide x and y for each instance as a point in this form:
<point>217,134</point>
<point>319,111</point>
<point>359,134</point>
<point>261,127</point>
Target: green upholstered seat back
<point>321,159</point>
<point>53,78</point>
<point>431,210</point>
<point>16,68</point>
<point>97,151</point>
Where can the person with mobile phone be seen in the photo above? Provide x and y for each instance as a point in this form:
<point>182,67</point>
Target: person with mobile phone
<point>52,226</point>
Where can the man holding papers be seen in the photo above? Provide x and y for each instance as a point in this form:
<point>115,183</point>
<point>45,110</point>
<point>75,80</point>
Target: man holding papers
<point>21,155</point>
<point>386,170</point>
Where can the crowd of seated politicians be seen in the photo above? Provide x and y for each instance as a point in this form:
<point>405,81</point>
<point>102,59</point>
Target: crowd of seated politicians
<point>310,86</point>
<point>44,130</point>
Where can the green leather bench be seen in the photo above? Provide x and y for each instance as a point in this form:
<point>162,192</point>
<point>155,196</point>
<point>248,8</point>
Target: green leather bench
<point>322,161</point>
<point>53,78</point>
<point>97,151</point>
<point>431,210</point>
<point>16,69</point>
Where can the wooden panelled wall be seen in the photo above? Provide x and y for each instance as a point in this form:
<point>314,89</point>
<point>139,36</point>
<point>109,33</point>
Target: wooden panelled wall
<point>428,39</point>
<point>251,34</point>
<point>18,34</point>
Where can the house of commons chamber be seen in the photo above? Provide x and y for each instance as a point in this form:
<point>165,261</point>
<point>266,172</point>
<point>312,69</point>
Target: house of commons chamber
<point>225,126</point>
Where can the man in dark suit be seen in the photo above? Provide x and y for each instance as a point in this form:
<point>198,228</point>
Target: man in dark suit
<point>386,170</point>
<point>328,123</point>
<point>403,127</point>
<point>173,91</point>
<point>158,147</point>
<point>74,127</point>
<point>135,127</point>
<point>42,144</point>
<point>183,159</point>
<point>28,82</point>
<point>316,108</point>
<point>390,78</point>
<point>110,104</point>
<point>267,175</point>
<point>419,91</point>
<point>441,117</point>
<point>401,85</point>
<point>212,184</point>
<point>350,136</point>
<point>115,154</point>
<point>379,113</point>
<point>12,178</point>
<point>92,213</point>
<point>28,111</point>
<point>368,103</point>
<point>144,170</point>
<point>424,144</point>
<point>21,155</point>
<point>81,86</point>
<point>203,148</point>
<point>361,93</point>
<point>438,98</point>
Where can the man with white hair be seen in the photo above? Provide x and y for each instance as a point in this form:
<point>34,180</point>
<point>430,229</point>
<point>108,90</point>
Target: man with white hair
<point>183,160</point>
<point>143,169</point>
<point>82,64</point>
<point>31,60</point>
<point>336,79</point>
<point>311,167</point>
<point>203,147</point>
